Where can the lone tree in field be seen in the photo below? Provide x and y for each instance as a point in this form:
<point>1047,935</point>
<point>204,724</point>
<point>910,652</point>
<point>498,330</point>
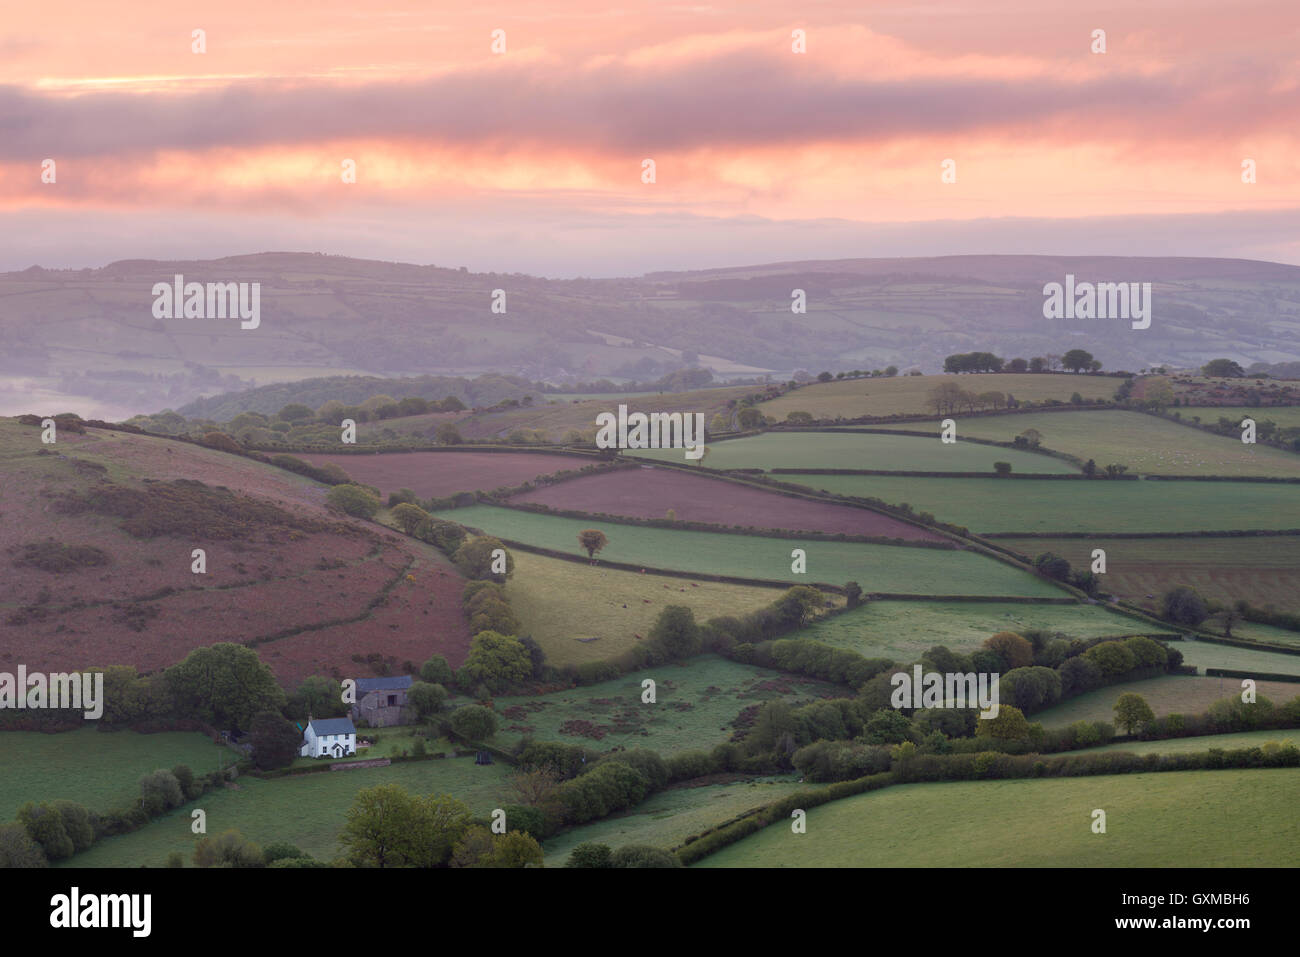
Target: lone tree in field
<point>1132,711</point>
<point>1076,360</point>
<point>1183,606</point>
<point>593,540</point>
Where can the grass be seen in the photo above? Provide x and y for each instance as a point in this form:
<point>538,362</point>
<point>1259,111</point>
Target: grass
<point>1263,571</point>
<point>1026,505</point>
<point>879,568</point>
<point>1208,654</point>
<point>1144,443</point>
<point>696,707</point>
<point>910,395</point>
<point>101,770</point>
<point>1227,742</point>
<point>839,450</point>
<point>564,605</point>
<point>1170,694</point>
<point>903,630</point>
<point>669,817</point>
<point>307,810</point>
<point>1286,416</point>
<point>1173,819</point>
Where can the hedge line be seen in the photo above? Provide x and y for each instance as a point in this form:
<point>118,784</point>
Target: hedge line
<point>1256,675</point>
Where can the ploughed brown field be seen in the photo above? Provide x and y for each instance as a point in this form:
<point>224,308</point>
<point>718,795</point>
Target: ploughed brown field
<point>435,474</point>
<point>651,492</point>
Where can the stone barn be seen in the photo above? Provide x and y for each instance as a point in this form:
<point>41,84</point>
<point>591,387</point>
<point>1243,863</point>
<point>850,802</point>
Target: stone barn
<point>381,702</point>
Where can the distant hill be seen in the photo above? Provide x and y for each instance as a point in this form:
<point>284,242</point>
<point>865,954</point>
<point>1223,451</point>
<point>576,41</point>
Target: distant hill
<point>75,338</point>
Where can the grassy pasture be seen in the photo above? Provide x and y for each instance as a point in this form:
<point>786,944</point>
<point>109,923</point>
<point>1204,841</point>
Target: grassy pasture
<point>1286,416</point>
<point>1173,819</point>
<point>101,770</point>
<point>1144,443</point>
<point>879,568</point>
<point>903,630</point>
<point>910,395</point>
<point>839,450</point>
<point>1264,571</point>
<point>1209,654</point>
<point>697,705</point>
<point>669,817</point>
<point>1026,505</point>
<point>560,602</point>
<point>1228,742</point>
<point>1170,694</point>
<point>307,810</point>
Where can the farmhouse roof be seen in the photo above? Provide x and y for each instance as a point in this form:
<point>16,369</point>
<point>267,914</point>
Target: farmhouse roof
<point>332,726</point>
<point>395,683</point>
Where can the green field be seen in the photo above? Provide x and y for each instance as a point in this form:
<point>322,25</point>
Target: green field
<point>1227,742</point>
<point>307,810</point>
<point>879,568</point>
<point>564,605</point>
<point>1144,443</point>
<point>910,395</point>
<point>666,819</point>
<point>101,770</point>
<point>902,630</point>
<point>696,707</point>
<point>1286,416</point>
<point>1208,654</point>
<point>1262,570</point>
<point>1055,505</point>
<point>1172,819</point>
<point>840,450</point>
<point>1170,694</point>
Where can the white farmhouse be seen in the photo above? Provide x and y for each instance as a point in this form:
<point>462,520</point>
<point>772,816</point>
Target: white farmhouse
<point>329,738</point>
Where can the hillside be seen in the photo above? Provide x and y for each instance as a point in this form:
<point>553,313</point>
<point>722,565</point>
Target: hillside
<point>87,339</point>
<point>97,538</point>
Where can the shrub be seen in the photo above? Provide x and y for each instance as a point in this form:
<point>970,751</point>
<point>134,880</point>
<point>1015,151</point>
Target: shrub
<point>229,849</point>
<point>474,722</point>
<point>590,854</point>
<point>355,500</point>
<point>643,855</point>
<point>160,792</point>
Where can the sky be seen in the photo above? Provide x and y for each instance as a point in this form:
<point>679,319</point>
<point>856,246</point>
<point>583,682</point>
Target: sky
<point>530,157</point>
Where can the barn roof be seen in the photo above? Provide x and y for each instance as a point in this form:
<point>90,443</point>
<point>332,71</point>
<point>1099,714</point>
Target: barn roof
<point>332,726</point>
<point>395,683</point>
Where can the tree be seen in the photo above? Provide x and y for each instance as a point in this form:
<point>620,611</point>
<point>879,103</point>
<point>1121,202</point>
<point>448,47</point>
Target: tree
<point>1053,566</point>
<point>409,517</point>
<point>515,849</point>
<point>749,418</point>
<point>476,562</point>
<point>852,594</point>
<point>592,540</point>
<point>824,377</point>
<point>891,371</point>
<point>275,741</point>
<point>1184,606</point>
<point>1077,360</point>
<point>44,825</point>
<point>1009,725</point>
<point>1158,394</point>
<point>1002,468</point>
<point>1132,711</point>
<point>496,661</point>
<point>356,500</point>
<point>1222,368</point>
<point>589,854</point>
<point>18,849</point>
<point>388,827</point>
<point>1018,365</point>
<point>224,685</point>
<point>535,786</point>
<point>436,671</point>
<point>1115,471</point>
<point>799,418</point>
<point>643,855</point>
<point>426,699</point>
<point>228,849</point>
<point>317,696</point>
<point>296,412</point>
<point>1037,364</point>
<point>447,434</point>
<point>675,633</point>
<point>1015,651</point>
<point>474,722</point>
